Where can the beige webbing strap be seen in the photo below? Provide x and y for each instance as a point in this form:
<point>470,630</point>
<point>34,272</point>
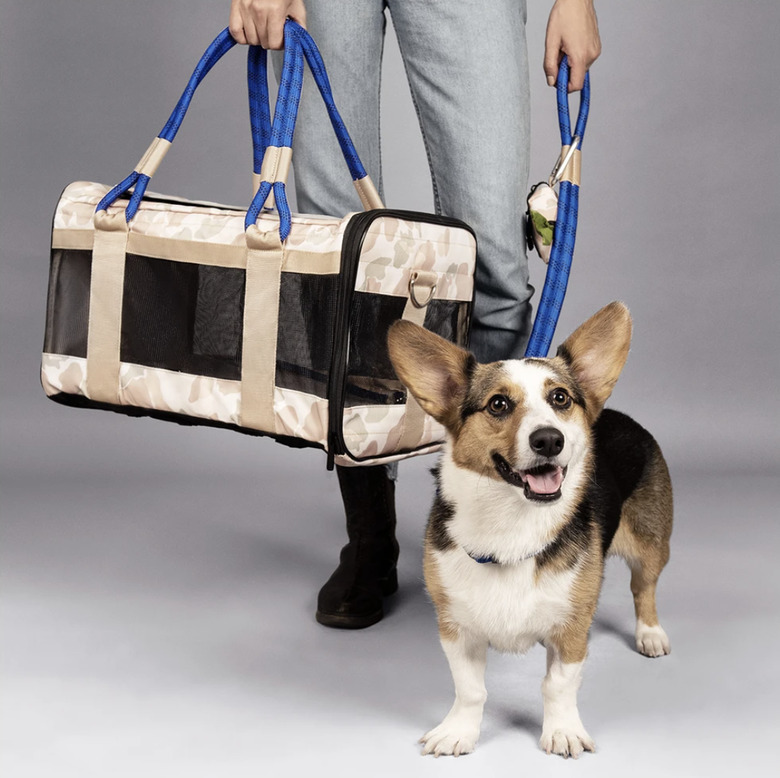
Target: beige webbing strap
<point>572,170</point>
<point>261,324</point>
<point>368,194</point>
<point>270,203</point>
<point>276,164</point>
<point>153,156</point>
<point>422,287</point>
<point>274,167</point>
<point>105,306</point>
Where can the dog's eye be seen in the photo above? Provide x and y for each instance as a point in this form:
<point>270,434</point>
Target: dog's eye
<point>498,405</point>
<point>560,398</point>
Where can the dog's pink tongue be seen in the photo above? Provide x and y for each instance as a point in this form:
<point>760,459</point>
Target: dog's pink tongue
<point>547,483</point>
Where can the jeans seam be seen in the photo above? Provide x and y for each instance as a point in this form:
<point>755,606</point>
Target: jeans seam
<point>379,183</point>
<point>436,199</point>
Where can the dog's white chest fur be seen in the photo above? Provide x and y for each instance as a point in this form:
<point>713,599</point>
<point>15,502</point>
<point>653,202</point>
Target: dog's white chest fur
<point>506,604</point>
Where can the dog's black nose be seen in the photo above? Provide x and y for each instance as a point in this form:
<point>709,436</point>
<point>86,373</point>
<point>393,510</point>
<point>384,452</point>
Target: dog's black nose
<point>546,441</point>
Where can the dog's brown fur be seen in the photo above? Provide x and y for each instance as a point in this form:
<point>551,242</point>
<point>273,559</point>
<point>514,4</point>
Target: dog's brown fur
<point>619,501</point>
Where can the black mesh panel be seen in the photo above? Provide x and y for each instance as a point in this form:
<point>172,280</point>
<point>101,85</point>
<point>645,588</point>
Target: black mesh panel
<point>219,313</point>
<point>68,307</point>
<point>189,317</point>
<point>305,338</point>
<point>370,375</point>
<point>183,316</point>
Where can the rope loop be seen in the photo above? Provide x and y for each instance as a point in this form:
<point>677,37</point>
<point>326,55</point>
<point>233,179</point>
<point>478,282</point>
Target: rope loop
<point>559,266</point>
<point>298,47</point>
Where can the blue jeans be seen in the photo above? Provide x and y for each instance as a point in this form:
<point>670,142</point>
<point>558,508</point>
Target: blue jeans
<point>467,68</point>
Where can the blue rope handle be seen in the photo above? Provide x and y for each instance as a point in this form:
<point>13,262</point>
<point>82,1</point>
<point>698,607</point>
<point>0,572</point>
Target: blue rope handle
<point>317,66</point>
<point>216,50</point>
<point>282,129</point>
<point>259,102</point>
<point>299,45</point>
<point>557,277</point>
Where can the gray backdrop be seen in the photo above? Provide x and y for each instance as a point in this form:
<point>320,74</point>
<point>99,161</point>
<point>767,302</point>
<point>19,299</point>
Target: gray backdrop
<point>160,581</point>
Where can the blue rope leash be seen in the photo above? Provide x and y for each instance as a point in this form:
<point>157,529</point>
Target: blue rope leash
<point>559,266</point>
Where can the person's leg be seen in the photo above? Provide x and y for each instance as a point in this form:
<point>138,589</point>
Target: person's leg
<point>352,596</point>
<point>350,36</point>
<point>468,72</point>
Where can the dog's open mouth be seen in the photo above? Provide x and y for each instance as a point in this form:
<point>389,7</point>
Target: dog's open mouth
<point>542,483</point>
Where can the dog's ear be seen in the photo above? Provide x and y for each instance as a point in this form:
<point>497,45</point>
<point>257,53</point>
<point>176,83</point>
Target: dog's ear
<point>434,370</point>
<point>596,352</point>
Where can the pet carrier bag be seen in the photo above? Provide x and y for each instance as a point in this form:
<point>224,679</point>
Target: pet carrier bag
<point>258,321</point>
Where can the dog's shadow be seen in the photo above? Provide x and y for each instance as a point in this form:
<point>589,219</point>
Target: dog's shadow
<point>524,720</point>
<point>530,722</point>
<point>503,718</point>
<point>608,625</point>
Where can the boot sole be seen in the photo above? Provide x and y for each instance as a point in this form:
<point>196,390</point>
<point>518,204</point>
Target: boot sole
<point>346,621</point>
<point>359,620</point>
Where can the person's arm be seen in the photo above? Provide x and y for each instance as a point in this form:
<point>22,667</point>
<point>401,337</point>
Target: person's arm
<point>262,21</point>
<point>573,30</point>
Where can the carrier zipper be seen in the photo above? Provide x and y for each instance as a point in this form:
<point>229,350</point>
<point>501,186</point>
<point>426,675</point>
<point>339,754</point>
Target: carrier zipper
<point>351,248</point>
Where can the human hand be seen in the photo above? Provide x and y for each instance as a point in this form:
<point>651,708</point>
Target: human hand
<point>262,21</point>
<point>573,30</point>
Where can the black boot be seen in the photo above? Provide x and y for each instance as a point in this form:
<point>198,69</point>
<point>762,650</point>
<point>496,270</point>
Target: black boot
<point>352,597</point>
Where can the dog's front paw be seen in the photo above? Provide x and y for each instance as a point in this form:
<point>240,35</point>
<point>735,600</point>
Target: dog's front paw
<point>566,741</point>
<point>652,641</point>
<point>456,735</point>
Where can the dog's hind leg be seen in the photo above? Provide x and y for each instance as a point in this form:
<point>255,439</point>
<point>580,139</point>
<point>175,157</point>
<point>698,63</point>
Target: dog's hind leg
<point>459,731</point>
<point>642,540</point>
<point>651,638</point>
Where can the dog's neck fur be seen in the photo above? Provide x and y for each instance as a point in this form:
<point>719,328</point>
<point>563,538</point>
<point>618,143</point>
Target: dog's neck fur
<point>493,521</point>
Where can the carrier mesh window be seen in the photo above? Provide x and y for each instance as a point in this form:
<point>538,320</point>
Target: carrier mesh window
<point>305,340</point>
<point>370,375</point>
<point>189,318</point>
<point>218,313</point>
<point>68,308</point>
<point>183,316</point>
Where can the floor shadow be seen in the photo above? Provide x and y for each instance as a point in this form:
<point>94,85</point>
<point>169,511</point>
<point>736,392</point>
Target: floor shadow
<point>509,718</point>
<point>606,625</point>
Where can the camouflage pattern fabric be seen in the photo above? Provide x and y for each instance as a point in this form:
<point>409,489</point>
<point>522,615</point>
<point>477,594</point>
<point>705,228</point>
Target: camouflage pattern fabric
<point>392,248</point>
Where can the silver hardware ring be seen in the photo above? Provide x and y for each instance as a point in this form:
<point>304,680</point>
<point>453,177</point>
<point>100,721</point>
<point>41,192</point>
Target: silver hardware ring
<point>413,294</point>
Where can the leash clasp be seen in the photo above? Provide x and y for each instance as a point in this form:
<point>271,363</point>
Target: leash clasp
<point>563,161</point>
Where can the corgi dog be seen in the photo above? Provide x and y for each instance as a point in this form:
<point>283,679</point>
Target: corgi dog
<point>535,487</point>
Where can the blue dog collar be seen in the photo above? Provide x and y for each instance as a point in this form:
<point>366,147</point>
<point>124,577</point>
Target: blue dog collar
<point>491,560</point>
<point>484,560</point>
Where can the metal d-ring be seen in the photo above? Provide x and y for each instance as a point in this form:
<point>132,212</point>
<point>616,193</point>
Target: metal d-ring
<point>413,295</point>
<point>563,162</point>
